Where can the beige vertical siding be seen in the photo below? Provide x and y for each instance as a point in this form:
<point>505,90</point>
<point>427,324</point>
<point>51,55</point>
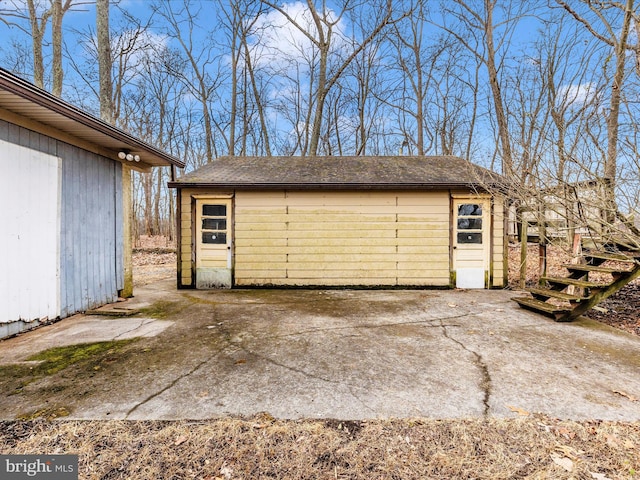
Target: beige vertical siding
<point>342,238</point>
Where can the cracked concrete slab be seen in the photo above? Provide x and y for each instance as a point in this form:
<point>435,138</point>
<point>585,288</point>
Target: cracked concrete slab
<point>75,330</point>
<point>346,354</point>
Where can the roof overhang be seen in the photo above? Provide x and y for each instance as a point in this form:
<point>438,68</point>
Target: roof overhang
<point>24,104</point>
<point>335,186</point>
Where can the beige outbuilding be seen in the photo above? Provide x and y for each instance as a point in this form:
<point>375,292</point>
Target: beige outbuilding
<point>401,221</point>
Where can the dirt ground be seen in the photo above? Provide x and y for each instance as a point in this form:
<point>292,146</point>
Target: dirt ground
<point>526,446</point>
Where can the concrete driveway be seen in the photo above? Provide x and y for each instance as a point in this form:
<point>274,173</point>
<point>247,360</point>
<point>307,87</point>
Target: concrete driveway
<point>346,354</point>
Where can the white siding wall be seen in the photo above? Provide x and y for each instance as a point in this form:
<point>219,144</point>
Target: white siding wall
<point>30,219</point>
<point>342,238</point>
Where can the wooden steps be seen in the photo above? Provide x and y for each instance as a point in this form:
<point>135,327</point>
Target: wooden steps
<point>567,281</point>
<point>546,294</point>
<point>584,268</point>
<point>553,300</point>
<point>604,256</point>
<point>548,309</point>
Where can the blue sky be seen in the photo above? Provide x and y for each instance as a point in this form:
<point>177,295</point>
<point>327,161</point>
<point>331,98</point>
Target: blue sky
<point>279,89</point>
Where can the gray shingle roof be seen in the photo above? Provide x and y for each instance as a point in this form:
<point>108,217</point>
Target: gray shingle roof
<point>340,172</point>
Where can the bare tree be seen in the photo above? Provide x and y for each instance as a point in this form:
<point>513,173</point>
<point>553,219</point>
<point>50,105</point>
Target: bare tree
<point>105,63</point>
<point>38,22</point>
<point>206,72</point>
<point>58,9</point>
<point>617,37</point>
<point>37,16</point>
<point>414,72</point>
<point>321,34</point>
<point>476,30</point>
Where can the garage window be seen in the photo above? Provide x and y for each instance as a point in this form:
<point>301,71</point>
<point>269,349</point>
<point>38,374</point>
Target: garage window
<point>214,224</point>
<point>470,223</point>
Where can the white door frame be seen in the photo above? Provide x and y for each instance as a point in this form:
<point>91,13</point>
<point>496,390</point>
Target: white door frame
<point>213,241</point>
<point>471,217</point>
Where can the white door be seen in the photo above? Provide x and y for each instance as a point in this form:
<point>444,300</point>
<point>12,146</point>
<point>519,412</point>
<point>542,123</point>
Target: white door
<point>471,242</point>
<point>30,236</point>
<point>213,240</point>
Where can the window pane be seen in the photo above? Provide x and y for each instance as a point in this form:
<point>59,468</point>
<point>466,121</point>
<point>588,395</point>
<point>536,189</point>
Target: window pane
<point>469,237</point>
<point>214,224</point>
<point>214,210</point>
<point>214,237</point>
<point>470,223</point>
<point>470,209</point>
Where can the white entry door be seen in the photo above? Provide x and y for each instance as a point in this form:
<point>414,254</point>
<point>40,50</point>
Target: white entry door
<point>471,242</point>
<point>213,239</point>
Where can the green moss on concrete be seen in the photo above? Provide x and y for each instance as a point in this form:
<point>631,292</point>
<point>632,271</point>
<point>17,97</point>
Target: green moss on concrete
<point>13,378</point>
<point>58,358</point>
<point>162,309</point>
<point>49,413</point>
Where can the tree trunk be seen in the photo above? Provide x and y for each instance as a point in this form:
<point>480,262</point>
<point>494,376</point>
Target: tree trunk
<point>610,165</point>
<point>501,118</point>
<point>38,27</point>
<point>105,62</point>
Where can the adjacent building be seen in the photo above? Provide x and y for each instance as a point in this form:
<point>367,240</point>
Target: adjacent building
<point>341,221</point>
<point>63,217</point>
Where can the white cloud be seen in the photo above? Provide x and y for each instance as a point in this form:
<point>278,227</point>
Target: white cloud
<point>578,95</point>
<point>282,46</point>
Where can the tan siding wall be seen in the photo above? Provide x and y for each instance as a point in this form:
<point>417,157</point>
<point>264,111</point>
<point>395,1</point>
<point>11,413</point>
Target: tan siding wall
<point>185,236</point>
<point>498,259</point>
<point>341,238</point>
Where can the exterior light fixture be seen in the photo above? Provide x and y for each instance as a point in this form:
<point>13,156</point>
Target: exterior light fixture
<point>125,154</point>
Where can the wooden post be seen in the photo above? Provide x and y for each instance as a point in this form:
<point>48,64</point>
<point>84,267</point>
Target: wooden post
<point>542,254</point>
<point>523,253</point>
<point>577,258</point>
<point>127,248</point>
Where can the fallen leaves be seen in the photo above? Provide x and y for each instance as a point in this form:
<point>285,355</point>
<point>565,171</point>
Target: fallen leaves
<point>229,448</point>
<point>519,411</point>
<point>566,457</point>
<point>599,476</point>
<point>180,440</point>
<point>614,441</point>
<point>563,462</point>
<point>626,395</point>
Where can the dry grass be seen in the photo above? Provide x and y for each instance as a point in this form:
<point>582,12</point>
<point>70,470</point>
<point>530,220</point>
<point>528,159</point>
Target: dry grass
<point>261,447</point>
